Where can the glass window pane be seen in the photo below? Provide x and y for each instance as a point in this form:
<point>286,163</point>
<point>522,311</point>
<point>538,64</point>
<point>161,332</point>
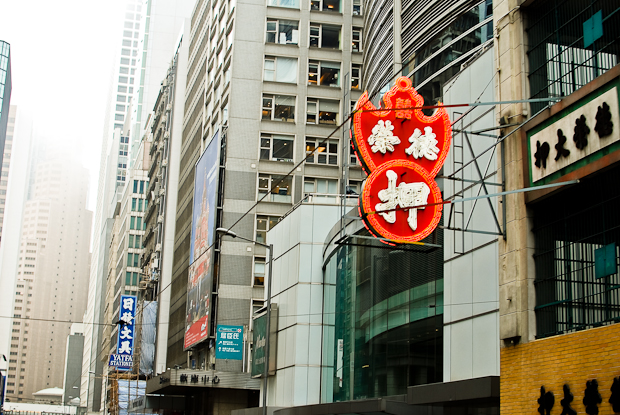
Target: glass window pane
<point>286,70</point>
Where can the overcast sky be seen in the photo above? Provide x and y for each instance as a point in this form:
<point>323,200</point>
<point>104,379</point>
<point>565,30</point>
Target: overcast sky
<point>62,58</point>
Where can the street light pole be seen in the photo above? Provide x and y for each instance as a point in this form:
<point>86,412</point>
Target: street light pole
<point>228,232</point>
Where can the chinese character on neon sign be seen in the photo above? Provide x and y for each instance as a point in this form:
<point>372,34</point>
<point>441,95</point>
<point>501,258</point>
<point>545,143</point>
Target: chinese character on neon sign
<point>402,150</point>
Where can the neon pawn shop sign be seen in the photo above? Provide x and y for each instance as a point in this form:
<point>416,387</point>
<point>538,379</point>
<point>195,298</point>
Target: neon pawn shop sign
<point>402,150</point>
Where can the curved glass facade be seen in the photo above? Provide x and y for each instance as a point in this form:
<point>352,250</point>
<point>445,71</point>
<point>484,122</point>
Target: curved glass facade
<point>383,316</point>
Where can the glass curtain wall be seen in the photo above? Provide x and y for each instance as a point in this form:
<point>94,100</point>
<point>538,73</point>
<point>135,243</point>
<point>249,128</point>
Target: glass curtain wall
<point>383,316</point>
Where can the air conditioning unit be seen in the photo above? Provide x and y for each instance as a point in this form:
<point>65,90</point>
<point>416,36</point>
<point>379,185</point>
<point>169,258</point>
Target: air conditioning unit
<point>169,107</point>
<point>157,249</point>
<point>167,135</point>
<point>164,162</point>
<point>160,219</point>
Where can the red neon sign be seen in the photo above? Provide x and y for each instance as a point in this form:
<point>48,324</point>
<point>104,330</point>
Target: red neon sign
<point>402,150</point>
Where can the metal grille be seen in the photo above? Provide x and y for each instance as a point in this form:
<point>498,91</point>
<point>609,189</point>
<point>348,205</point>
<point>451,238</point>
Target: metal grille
<point>568,229</point>
<point>558,61</point>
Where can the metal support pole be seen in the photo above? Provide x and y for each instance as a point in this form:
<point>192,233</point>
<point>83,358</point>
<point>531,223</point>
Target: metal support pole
<point>268,329</point>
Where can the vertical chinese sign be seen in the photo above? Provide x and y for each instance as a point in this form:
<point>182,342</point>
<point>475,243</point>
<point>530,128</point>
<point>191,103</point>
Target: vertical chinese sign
<point>200,274</point>
<point>123,359</point>
<point>402,150</point>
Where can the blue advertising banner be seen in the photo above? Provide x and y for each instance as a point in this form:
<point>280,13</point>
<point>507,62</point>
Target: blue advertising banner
<point>126,333</point>
<point>121,361</point>
<point>229,342</point>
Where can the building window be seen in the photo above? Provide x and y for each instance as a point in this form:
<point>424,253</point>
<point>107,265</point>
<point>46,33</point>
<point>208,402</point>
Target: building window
<point>276,147</point>
<point>570,230</point>
<point>280,69</point>
<point>320,186</point>
<point>324,73</point>
<point>322,111</point>
<point>294,4</point>
<point>356,71</point>
<point>324,36</point>
<point>353,160</point>
<point>259,272</point>
<point>356,40</point>
<point>278,108</point>
<point>325,5</point>
<point>281,187</point>
<point>263,224</point>
<point>284,32</point>
<point>357,7</point>
<point>326,151</point>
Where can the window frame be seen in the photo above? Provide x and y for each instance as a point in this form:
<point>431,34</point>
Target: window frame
<point>329,145</point>
<point>317,113</point>
<point>277,33</point>
<point>269,220</point>
<point>273,109</point>
<point>358,30</point>
<point>274,59</point>
<point>320,65</point>
<point>358,67</point>
<point>320,6</point>
<point>320,37</point>
<point>270,136</point>
<point>274,197</point>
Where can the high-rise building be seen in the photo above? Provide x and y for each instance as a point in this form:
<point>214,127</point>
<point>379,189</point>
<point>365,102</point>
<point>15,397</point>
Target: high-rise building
<point>5,90</point>
<point>52,274</point>
<point>266,85</point>
<point>6,163</point>
<point>150,30</point>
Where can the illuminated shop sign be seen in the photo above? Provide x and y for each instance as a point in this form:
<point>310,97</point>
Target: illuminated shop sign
<point>123,359</point>
<point>563,144</point>
<point>402,150</point>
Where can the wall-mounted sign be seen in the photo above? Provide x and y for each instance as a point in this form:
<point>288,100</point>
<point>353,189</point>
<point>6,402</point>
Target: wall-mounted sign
<point>123,359</point>
<point>402,150</point>
<point>200,275</point>
<point>557,147</point>
<point>229,342</point>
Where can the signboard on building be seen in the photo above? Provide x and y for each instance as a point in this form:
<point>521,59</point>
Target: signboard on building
<point>574,137</point>
<point>123,359</point>
<point>229,342</point>
<point>402,150</point>
<point>259,340</point>
<point>200,275</point>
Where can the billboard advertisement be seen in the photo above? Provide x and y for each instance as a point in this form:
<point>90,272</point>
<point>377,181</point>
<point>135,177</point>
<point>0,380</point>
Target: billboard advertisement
<point>200,275</point>
<point>123,358</point>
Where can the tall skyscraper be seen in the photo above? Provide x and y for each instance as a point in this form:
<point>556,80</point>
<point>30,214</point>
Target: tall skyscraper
<point>150,34</point>
<point>52,274</point>
<point>5,90</point>
<point>6,163</point>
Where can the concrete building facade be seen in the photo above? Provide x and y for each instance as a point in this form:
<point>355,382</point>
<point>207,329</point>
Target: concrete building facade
<point>53,266</point>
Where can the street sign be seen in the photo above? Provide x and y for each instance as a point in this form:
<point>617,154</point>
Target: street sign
<point>229,342</point>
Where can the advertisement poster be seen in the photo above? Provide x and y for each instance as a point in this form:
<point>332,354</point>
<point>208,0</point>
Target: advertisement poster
<point>200,275</point>
<point>205,202</point>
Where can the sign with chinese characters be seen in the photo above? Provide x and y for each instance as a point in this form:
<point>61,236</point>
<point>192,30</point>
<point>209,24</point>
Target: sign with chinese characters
<point>123,359</point>
<point>402,150</point>
<point>556,148</point>
<point>229,342</point>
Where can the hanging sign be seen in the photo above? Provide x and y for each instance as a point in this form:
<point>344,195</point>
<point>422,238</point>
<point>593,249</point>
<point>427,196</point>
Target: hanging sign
<point>402,150</point>
<point>123,358</point>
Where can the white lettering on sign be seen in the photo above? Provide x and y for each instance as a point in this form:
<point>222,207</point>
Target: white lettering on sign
<point>575,136</point>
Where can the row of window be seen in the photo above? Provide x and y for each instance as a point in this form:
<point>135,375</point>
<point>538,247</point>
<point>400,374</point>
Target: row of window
<point>135,223</point>
<point>139,205</point>
<point>326,36</point>
<point>280,147</point>
<point>334,6</point>
<point>318,110</point>
<point>282,189</point>
<point>320,73</point>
